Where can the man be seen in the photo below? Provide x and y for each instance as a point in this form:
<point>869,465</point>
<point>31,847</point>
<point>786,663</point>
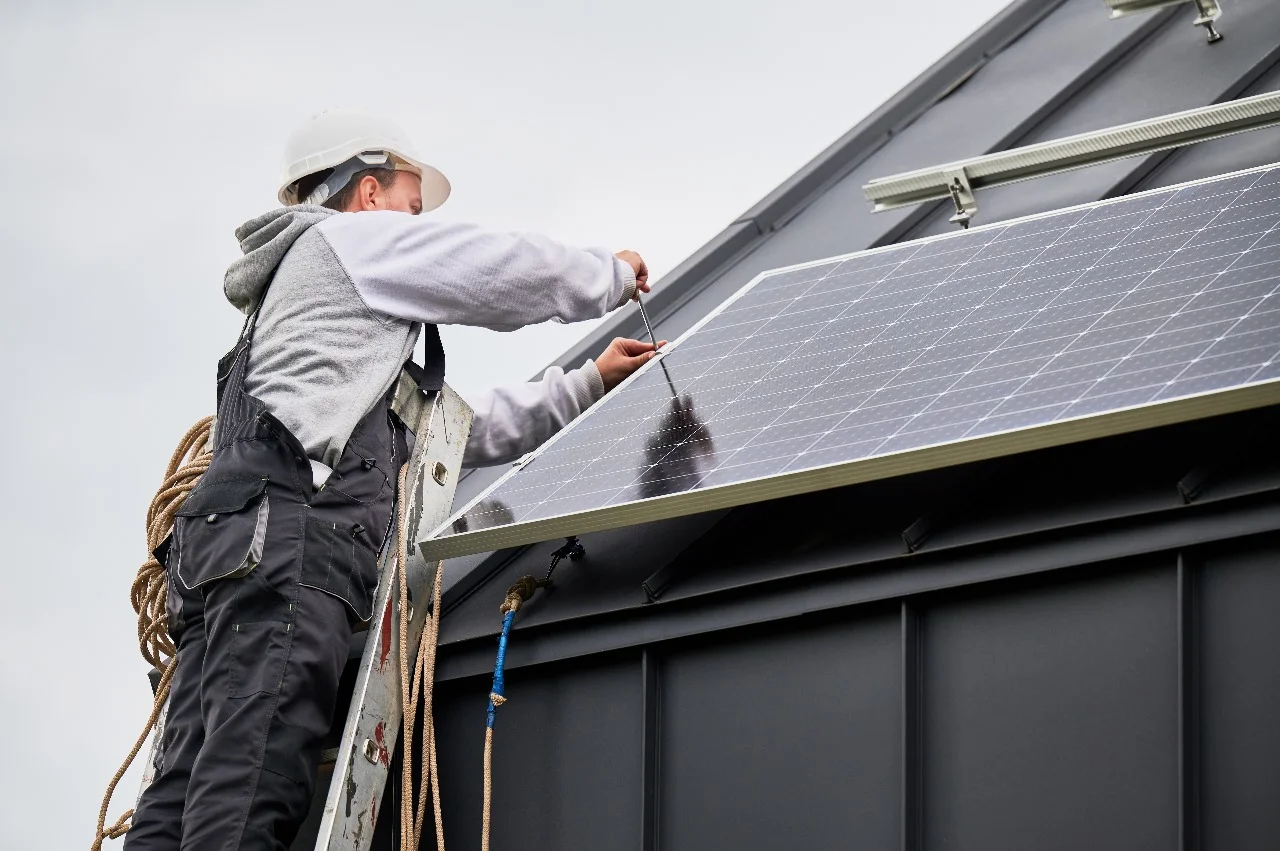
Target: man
<point>273,560</point>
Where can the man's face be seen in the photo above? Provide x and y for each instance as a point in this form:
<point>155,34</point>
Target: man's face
<point>404,195</point>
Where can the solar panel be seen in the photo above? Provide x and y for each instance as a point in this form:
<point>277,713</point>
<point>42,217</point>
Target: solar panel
<point>1125,314</point>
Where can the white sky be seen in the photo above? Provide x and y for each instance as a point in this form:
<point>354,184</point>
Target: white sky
<point>136,136</point>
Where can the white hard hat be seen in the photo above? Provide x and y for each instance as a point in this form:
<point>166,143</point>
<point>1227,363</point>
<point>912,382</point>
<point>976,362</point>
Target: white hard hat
<point>336,137</point>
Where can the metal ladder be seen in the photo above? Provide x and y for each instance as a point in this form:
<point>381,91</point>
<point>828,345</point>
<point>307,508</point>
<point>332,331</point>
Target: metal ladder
<point>440,423</point>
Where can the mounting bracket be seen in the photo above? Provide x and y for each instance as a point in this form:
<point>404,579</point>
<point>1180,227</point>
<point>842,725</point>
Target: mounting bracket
<point>961,192</point>
<point>1209,11</point>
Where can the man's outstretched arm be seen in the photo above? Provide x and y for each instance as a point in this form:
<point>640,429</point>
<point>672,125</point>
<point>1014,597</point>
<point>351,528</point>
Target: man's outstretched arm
<point>510,421</point>
<point>459,274</point>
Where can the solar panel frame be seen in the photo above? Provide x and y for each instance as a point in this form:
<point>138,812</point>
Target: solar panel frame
<point>755,305</point>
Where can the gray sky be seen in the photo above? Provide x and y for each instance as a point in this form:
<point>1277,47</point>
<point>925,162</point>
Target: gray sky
<point>136,136</point>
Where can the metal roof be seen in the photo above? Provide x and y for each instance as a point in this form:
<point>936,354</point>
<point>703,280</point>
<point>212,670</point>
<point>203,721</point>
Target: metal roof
<point>1040,70</point>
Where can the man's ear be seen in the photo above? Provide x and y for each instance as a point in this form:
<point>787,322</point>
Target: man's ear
<point>367,192</point>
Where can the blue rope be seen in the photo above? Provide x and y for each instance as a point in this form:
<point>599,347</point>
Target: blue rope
<point>518,594</point>
<point>499,685</point>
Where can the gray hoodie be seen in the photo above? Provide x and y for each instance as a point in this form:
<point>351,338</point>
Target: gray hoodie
<point>350,291</point>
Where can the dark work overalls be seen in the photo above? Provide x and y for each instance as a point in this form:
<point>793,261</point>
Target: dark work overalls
<point>268,578</point>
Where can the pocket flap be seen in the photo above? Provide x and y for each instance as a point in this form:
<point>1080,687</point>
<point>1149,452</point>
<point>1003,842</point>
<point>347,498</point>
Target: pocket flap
<point>223,496</point>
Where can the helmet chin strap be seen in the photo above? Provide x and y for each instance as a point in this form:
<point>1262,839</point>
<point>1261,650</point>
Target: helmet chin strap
<point>342,174</point>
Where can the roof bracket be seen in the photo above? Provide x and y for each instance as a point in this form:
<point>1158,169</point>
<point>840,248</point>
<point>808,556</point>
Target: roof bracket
<point>915,535</point>
<point>1193,485</point>
<point>1209,12</point>
<point>657,582</point>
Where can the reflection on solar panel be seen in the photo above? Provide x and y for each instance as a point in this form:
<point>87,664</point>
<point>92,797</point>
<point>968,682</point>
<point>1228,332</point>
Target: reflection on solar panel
<point>1131,313</point>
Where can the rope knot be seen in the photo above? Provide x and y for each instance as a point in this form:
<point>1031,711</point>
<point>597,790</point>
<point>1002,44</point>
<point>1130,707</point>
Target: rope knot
<point>518,594</point>
<point>496,698</point>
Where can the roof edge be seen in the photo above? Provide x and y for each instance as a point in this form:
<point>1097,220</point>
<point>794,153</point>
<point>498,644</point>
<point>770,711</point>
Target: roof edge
<point>917,97</point>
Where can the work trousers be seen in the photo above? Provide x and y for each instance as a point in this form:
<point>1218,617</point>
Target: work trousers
<point>259,658</point>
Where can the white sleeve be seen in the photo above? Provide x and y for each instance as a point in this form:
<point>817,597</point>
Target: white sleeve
<point>423,270</point>
<point>510,421</point>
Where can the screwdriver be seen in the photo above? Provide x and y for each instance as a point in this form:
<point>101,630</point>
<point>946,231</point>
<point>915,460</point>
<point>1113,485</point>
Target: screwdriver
<point>645,317</point>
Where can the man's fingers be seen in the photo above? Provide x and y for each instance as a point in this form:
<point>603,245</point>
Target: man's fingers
<point>623,357</point>
<point>639,267</point>
<point>632,348</point>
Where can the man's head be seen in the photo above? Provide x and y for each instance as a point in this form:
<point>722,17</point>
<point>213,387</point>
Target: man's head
<point>370,189</point>
<point>351,161</point>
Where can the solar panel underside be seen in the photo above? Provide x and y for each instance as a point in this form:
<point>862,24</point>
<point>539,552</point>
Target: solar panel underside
<point>1126,314</point>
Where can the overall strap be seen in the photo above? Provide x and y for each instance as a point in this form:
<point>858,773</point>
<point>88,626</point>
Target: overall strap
<point>234,407</point>
<point>429,376</point>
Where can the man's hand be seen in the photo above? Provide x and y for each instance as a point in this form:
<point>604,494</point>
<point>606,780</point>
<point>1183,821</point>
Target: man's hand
<point>622,358</point>
<point>636,262</point>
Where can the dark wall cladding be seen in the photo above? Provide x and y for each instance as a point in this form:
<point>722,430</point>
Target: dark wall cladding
<point>1238,601</point>
<point>567,760</point>
<point>1035,712</point>
<point>783,739</point>
<point>1050,715</point>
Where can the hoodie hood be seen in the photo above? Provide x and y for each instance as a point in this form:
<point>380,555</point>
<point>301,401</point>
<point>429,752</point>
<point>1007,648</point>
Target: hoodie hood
<point>265,241</point>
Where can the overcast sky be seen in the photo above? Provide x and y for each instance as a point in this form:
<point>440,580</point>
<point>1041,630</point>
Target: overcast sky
<point>134,138</point>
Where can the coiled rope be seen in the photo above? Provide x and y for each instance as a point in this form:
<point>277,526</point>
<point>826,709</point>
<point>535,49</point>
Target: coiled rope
<point>149,595</point>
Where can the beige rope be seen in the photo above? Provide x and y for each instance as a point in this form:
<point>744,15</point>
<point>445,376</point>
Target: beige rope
<point>418,692</point>
<point>488,788</point>
<point>149,595</point>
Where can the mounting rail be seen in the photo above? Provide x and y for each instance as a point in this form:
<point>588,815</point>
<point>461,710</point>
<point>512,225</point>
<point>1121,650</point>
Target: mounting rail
<point>958,180</point>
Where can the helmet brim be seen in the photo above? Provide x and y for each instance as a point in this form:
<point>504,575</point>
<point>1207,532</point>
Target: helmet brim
<point>435,186</point>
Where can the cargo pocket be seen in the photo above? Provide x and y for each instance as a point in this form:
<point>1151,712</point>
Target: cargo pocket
<point>261,627</point>
<point>341,559</point>
<point>219,532</point>
<point>256,658</point>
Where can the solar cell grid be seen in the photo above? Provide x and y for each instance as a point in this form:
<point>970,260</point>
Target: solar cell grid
<point>1081,312</point>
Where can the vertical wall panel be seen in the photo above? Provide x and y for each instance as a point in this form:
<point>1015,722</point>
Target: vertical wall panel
<point>1240,697</point>
<point>567,760</point>
<point>783,741</point>
<point>1050,716</point>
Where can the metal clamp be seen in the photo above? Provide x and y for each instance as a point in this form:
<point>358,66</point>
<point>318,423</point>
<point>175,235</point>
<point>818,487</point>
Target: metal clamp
<point>961,192</point>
